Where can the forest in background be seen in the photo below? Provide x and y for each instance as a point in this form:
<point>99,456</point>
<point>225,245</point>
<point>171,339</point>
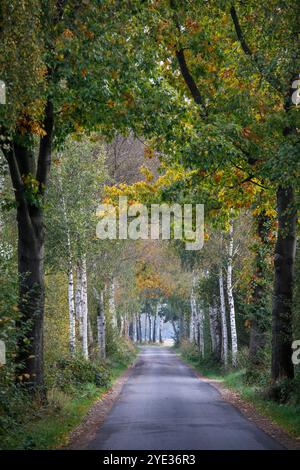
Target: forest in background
<point>162,102</point>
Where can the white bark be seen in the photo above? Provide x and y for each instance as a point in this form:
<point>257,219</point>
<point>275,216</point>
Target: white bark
<point>193,318</point>
<point>234,345</point>
<point>78,298</point>
<point>84,315</point>
<point>101,327</point>
<point>200,321</point>
<point>71,300</point>
<point>112,305</point>
<point>223,320</point>
<point>150,329</point>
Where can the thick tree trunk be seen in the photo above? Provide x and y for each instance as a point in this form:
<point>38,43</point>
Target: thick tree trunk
<point>32,297</point>
<point>101,327</point>
<point>22,167</point>
<point>223,320</point>
<point>234,344</point>
<point>284,259</point>
<point>215,332</point>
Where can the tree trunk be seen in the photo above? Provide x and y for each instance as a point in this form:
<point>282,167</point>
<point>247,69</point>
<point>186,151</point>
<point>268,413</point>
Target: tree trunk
<point>78,298</point>
<point>155,322</point>
<point>150,328</point>
<point>284,259</point>
<point>72,323</point>
<point>200,329</point>
<point>215,333</point>
<point>101,327</point>
<point>131,330</point>
<point>112,305</point>
<point>193,320</point>
<point>161,329</point>
<point>140,328</point>
<point>223,320</point>
<point>234,344</point>
<point>84,311</point>
<point>30,221</point>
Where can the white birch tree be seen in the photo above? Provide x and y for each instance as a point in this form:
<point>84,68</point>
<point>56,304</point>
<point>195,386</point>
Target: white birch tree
<point>223,319</point>
<point>234,344</point>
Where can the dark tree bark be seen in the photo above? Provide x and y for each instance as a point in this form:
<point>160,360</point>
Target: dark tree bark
<point>284,260</point>
<point>30,223</point>
<point>131,330</point>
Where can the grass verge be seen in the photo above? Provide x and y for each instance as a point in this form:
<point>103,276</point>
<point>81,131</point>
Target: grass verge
<point>48,426</point>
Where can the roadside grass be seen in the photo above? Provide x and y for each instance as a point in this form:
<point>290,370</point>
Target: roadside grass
<point>48,426</point>
<point>286,415</point>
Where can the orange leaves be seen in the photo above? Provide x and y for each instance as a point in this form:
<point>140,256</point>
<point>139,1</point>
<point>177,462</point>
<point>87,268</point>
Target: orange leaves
<point>68,34</point>
<point>110,103</point>
<point>148,152</point>
<point>29,126</point>
<point>192,25</point>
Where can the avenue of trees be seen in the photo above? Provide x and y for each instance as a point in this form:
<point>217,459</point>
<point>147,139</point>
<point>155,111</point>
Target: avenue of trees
<point>162,101</point>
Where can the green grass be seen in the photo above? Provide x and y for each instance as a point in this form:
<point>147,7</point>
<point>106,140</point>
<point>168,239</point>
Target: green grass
<point>287,416</point>
<point>48,427</point>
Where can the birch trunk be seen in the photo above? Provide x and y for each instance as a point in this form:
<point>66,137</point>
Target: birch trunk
<point>223,320</point>
<point>71,299</point>
<point>200,318</point>
<point>101,327</point>
<point>84,310</point>
<point>72,337</point>
<point>150,329</point>
<point>234,345</point>
<point>112,305</point>
<point>78,298</point>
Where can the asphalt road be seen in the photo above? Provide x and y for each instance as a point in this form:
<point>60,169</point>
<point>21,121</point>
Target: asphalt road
<point>164,406</point>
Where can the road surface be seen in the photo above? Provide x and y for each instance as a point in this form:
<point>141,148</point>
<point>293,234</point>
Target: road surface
<point>164,406</point>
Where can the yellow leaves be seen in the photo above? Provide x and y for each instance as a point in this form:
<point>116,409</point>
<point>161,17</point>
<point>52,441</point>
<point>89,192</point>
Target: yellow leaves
<point>147,173</point>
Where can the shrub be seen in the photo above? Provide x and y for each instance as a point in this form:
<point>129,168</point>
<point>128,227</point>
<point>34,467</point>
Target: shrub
<point>75,371</point>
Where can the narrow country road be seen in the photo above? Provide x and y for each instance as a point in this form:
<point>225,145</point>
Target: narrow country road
<point>165,406</point>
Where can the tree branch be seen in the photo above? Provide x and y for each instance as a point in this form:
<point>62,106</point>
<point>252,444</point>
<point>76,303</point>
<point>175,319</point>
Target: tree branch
<point>189,80</point>
<point>44,158</point>
<point>247,50</point>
